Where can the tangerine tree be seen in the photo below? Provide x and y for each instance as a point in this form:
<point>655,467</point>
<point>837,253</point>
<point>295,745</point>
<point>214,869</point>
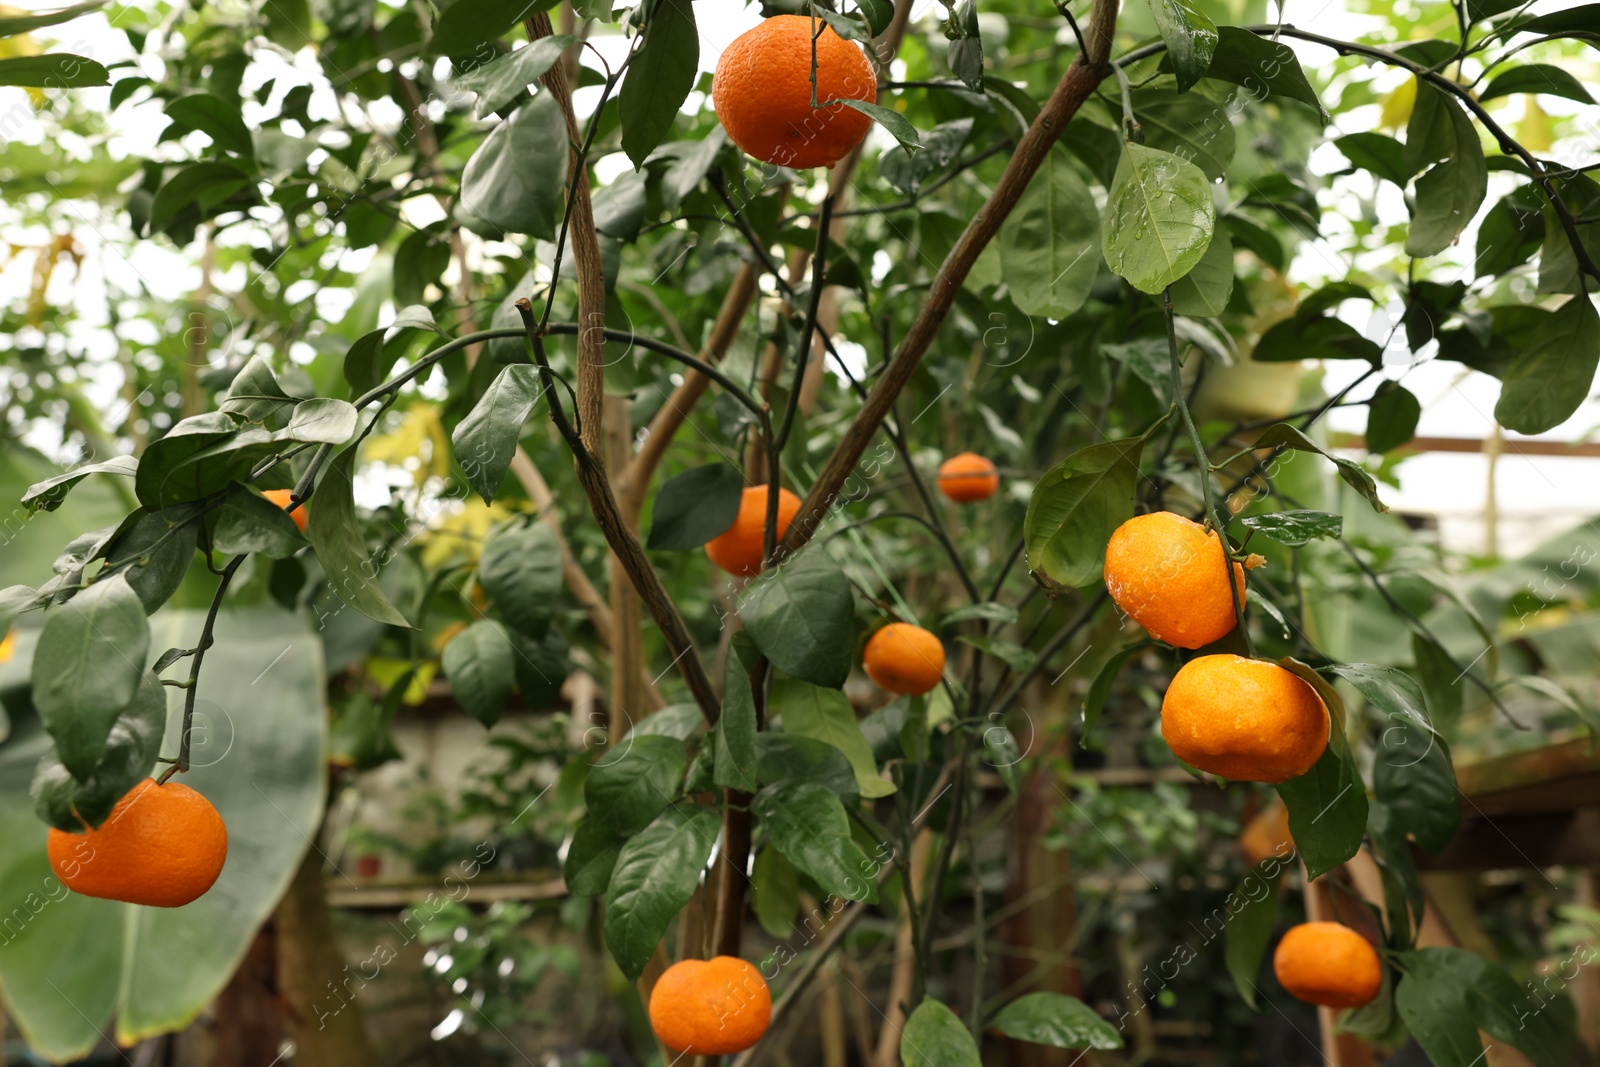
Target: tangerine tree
<point>522,346</point>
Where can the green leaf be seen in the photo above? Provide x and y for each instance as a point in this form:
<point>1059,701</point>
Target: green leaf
<point>1076,507</point>
<point>418,263</point>
<point>1190,127</point>
<point>988,611</point>
<point>1159,218</point>
<point>1539,78</point>
<point>467,25</point>
<point>1012,654</point>
<point>1559,271</point>
<point>516,180</point>
<point>826,715</point>
<point>806,822</point>
<point>48,494</point>
<point>781,757</point>
<point>1205,291</point>
<point>801,615</point>
<point>1548,380</point>
<point>14,600</point>
<point>654,877</point>
<point>254,395</point>
<point>486,440</point>
<point>54,70</point>
<point>1254,237</point>
<point>201,186</point>
<point>11,26</point>
<point>478,663</point>
<point>941,145</point>
<point>693,507</point>
<point>1437,1005</point>
<point>1380,154</point>
<point>369,358</point>
<point>158,547</point>
<point>1338,716</point>
<point>682,721</point>
<point>590,859</point>
<point>897,124</point>
<point>1191,39</point>
<point>520,570</point>
<point>1262,67</point>
<point>634,781</point>
<point>775,892</point>
<point>1583,19</point>
<point>935,1037</point>
<point>1441,681</point>
<point>131,749</point>
<point>1056,1020</point>
<point>1305,337</point>
<point>540,668</point>
<point>659,79</point>
<point>336,535</point>
<point>1354,475</point>
<point>1392,416</point>
<point>1094,701</point>
<point>1048,245</point>
<point>1252,914</point>
<point>505,80</point>
<point>1327,812</point>
<point>1449,195</point>
<point>736,757</point>
<point>1296,528</point>
<point>216,118</point>
<point>322,421</point>
<point>879,13</point>
<point>1511,232</point>
<point>86,668</point>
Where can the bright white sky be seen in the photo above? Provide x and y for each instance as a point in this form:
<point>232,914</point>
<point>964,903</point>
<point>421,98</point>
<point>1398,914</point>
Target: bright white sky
<point>1537,496</point>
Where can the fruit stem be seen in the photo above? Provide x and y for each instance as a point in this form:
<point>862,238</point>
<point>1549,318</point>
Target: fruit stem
<point>192,687</point>
<point>1202,461</point>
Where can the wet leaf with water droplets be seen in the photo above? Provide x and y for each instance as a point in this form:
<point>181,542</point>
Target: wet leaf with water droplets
<point>1159,218</point>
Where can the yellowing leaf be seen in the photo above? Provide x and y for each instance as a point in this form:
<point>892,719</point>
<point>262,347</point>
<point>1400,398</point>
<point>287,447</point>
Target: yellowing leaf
<point>386,672</point>
<point>1534,129</point>
<point>1398,104</point>
<point>419,444</point>
<point>8,646</point>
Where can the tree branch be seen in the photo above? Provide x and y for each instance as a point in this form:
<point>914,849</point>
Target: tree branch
<point>1080,80</point>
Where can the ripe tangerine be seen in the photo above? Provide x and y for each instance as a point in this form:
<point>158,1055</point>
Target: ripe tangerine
<point>710,1007</point>
<point>1167,573</point>
<point>284,498</point>
<point>967,478</point>
<point>162,845</point>
<point>762,93</point>
<point>1328,964</point>
<point>903,658</point>
<point>1244,719</point>
<point>739,549</point>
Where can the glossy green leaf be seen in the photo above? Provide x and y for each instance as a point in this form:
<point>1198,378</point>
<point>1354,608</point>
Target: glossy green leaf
<point>806,822</point>
<point>516,180</point>
<point>214,117</point>
<point>736,756</point>
<point>502,81</point>
<point>826,715</point>
<point>540,668</point>
<point>1392,416</point>
<point>1262,67</point>
<point>155,551</point>
<point>654,877</point>
<point>1441,679</point>
<point>1094,700</point>
<point>1188,126</point>
<point>1353,474</point>
<point>1548,380</point>
<point>801,615</point>
<point>634,781</point>
<point>131,749</point>
<point>1159,218</point>
<point>201,186</point>
<point>935,1037</point>
<point>693,507</point>
<point>53,70</point>
<point>898,125</point>
<point>1056,1020</point>
<point>1252,912</point>
<point>1049,254</point>
<point>659,78</point>
<point>1448,195</point>
<point>1327,812</point>
<point>1539,78</point>
<point>1205,291</point>
<point>682,721</point>
<point>48,494</point>
<point>87,667</point>
<point>1191,38</point>
<point>1511,232</point>
<point>1378,153</point>
<point>781,757</point>
<point>520,570</point>
<point>11,25</point>
<point>486,440</point>
<point>591,857</point>
<point>478,663</point>
<point>369,359</point>
<point>1074,510</point>
<point>775,892</point>
<point>1296,528</point>
<point>336,534</point>
<point>466,26</point>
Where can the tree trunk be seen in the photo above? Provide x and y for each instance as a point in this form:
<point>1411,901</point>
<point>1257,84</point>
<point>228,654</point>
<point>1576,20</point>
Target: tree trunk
<point>249,1024</point>
<point>318,990</point>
